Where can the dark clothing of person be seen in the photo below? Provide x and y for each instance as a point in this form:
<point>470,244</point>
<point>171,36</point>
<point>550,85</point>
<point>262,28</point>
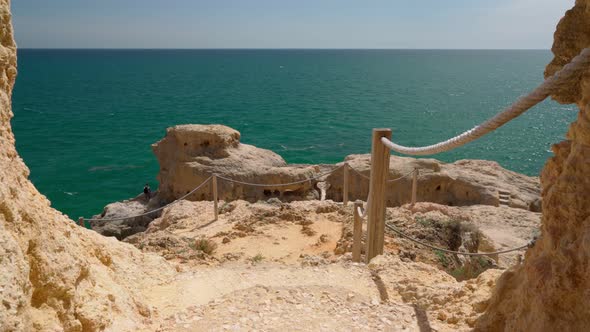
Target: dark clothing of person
<point>147,192</point>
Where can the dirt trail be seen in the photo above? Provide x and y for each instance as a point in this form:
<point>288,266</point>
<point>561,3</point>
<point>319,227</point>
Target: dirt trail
<point>276,266</point>
<point>273,297</point>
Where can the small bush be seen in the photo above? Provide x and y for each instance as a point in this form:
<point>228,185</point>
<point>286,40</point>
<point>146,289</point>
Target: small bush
<point>205,245</point>
<point>442,258</point>
<point>258,258</point>
<point>459,273</point>
<point>424,221</point>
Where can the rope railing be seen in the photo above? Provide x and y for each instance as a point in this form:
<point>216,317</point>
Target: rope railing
<point>362,212</point>
<point>155,210</point>
<point>389,181</point>
<point>205,182</point>
<point>402,234</point>
<point>513,111</point>
<point>280,184</point>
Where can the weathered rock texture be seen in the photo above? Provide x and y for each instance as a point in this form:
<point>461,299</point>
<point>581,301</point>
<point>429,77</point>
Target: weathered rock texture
<point>549,292</point>
<point>105,225</point>
<point>465,182</point>
<point>189,154</point>
<point>54,275</point>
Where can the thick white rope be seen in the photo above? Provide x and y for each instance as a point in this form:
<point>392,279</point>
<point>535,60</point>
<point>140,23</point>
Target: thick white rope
<point>279,184</point>
<point>519,107</point>
<point>158,209</point>
<point>362,213</point>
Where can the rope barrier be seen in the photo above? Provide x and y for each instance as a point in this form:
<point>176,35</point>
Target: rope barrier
<point>361,212</point>
<point>389,181</point>
<point>528,245</point>
<point>223,178</point>
<point>158,209</point>
<point>516,109</point>
<point>279,184</point>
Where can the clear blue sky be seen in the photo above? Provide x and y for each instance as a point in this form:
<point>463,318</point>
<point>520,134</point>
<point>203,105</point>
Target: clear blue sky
<point>287,24</point>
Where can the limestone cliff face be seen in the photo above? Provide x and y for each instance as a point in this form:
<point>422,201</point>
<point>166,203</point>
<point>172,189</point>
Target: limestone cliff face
<point>550,291</point>
<point>464,182</point>
<point>53,274</point>
<point>189,154</point>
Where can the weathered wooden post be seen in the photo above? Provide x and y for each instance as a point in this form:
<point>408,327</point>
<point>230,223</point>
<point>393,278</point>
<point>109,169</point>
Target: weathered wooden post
<point>414,186</point>
<point>81,221</point>
<point>214,189</point>
<point>376,202</point>
<point>345,185</point>
<point>357,232</point>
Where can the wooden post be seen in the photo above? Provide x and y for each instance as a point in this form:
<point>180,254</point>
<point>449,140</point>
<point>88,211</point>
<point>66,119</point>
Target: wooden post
<point>376,203</point>
<point>81,221</point>
<point>345,186</point>
<point>357,233</point>
<point>414,186</point>
<point>214,189</point>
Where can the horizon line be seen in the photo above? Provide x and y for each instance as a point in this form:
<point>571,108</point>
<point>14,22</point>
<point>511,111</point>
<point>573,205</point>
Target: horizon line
<point>280,48</point>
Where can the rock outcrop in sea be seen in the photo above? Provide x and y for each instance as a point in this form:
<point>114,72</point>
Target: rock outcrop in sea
<point>190,154</point>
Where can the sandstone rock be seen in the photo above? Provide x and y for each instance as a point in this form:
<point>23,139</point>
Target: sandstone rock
<point>55,275</point>
<point>465,182</point>
<point>549,291</point>
<point>126,227</point>
<point>189,154</point>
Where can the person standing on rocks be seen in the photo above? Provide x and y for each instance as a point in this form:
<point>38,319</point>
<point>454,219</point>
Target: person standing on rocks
<point>147,191</point>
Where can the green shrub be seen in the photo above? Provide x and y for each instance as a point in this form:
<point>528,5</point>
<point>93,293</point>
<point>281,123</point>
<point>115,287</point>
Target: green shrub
<point>205,245</point>
<point>442,258</point>
<point>258,258</point>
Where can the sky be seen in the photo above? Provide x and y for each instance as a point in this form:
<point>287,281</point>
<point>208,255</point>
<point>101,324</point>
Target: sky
<point>414,24</point>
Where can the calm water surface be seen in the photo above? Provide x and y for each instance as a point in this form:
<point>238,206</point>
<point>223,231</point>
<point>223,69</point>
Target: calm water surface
<point>85,119</point>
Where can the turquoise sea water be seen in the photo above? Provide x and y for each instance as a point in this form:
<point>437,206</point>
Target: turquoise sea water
<point>85,119</point>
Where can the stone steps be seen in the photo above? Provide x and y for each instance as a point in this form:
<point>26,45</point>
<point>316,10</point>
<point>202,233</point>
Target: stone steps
<point>504,197</point>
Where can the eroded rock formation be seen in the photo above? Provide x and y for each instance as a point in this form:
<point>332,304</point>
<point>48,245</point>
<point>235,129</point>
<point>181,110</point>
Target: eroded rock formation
<point>54,275</point>
<point>189,154</point>
<point>109,224</point>
<point>464,182</point>
<point>549,292</point>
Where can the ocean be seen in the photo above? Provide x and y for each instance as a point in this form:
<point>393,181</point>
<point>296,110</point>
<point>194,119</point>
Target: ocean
<point>85,119</point>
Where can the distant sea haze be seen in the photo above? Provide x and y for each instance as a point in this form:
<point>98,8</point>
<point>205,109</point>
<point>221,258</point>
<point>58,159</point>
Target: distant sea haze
<point>85,119</point>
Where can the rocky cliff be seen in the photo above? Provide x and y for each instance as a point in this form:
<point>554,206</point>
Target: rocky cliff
<point>55,275</point>
<point>462,183</point>
<point>549,292</point>
<point>189,154</point>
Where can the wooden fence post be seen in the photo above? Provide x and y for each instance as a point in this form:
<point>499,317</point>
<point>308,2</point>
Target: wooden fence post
<point>81,221</point>
<point>414,186</point>
<point>357,232</point>
<point>376,202</point>
<point>214,189</point>
<point>345,186</point>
